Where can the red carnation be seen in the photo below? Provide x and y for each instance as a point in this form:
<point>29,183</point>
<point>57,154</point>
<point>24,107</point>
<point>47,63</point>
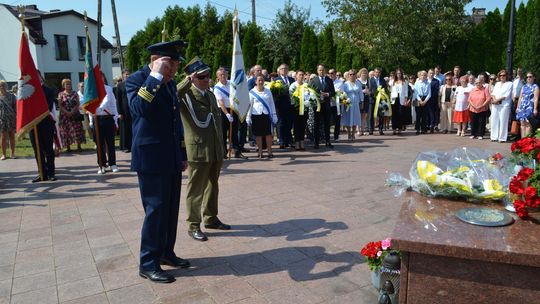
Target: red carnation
<point>514,146</point>
<point>497,156</point>
<point>524,174</point>
<point>516,186</point>
<point>521,210</point>
<point>530,195</point>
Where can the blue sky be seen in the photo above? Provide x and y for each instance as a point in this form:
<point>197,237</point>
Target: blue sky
<point>133,14</point>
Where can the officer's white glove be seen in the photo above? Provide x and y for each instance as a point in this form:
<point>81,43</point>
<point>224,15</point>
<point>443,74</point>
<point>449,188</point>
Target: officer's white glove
<point>229,117</point>
<point>248,121</point>
<point>274,119</point>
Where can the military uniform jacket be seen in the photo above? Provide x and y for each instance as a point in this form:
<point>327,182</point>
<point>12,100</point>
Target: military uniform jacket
<point>157,127</point>
<point>203,144</point>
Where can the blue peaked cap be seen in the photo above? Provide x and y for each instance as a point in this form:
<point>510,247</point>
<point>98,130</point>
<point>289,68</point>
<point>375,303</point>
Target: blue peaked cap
<point>171,49</point>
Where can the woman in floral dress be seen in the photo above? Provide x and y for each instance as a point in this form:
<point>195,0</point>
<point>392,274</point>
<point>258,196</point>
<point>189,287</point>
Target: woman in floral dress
<point>8,117</point>
<point>71,130</point>
<point>527,109</point>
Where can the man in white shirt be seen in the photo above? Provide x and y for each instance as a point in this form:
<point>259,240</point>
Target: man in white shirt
<point>106,116</point>
<point>336,110</point>
<point>230,119</point>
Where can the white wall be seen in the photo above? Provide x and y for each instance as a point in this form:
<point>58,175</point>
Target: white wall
<point>73,27</point>
<point>10,39</point>
<point>45,55</point>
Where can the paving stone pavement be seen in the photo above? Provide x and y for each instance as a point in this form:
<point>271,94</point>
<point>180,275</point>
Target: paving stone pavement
<point>299,222</point>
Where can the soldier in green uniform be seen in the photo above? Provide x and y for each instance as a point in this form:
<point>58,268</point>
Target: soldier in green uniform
<point>201,118</point>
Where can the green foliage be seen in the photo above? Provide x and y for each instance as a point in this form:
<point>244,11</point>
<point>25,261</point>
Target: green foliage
<point>412,35</point>
<point>309,53</point>
<point>394,33</point>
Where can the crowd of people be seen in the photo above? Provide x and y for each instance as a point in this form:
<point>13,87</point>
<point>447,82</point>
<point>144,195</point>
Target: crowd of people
<point>307,105</point>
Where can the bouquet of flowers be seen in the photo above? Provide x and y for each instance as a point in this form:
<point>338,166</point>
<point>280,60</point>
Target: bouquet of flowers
<point>375,253</point>
<point>276,87</point>
<point>310,98</point>
<point>472,174</point>
<point>525,185</point>
<point>382,103</point>
<point>343,99</point>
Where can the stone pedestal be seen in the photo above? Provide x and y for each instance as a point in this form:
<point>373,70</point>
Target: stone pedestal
<point>448,261</point>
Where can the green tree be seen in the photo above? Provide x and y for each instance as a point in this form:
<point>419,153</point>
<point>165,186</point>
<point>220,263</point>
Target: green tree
<point>532,58</point>
<point>308,50</point>
<point>521,35</point>
<point>377,29</point>
<point>282,41</point>
<point>327,47</point>
<point>251,43</point>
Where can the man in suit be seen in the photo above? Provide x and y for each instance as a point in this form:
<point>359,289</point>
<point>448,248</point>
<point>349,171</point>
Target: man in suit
<point>124,114</point>
<point>433,102</point>
<point>284,108</point>
<point>325,87</point>
<point>158,157</point>
<point>46,131</point>
<point>374,83</point>
<point>204,144</point>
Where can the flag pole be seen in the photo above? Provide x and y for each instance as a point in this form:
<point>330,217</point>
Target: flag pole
<point>96,120</point>
<point>235,28</point>
<point>36,137</point>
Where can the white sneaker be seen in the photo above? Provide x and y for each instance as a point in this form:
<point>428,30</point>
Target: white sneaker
<point>101,171</point>
<point>114,168</point>
<point>472,137</point>
<point>480,137</point>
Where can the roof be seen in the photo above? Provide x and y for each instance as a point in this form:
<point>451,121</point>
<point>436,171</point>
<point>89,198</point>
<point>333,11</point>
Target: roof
<point>116,55</point>
<point>33,21</point>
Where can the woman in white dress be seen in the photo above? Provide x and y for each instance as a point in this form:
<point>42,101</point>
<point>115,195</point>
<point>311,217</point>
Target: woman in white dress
<point>351,116</point>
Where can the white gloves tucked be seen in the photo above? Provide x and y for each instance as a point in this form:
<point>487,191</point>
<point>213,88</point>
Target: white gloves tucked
<point>274,119</point>
<point>248,120</point>
<point>229,117</point>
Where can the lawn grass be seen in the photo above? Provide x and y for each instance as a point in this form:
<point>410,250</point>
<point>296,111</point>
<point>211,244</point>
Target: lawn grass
<point>23,147</point>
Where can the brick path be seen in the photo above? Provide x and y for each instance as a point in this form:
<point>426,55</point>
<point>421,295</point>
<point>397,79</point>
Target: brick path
<point>299,222</point>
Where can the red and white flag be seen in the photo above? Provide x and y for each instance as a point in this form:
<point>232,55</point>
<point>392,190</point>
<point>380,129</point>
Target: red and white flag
<point>31,102</point>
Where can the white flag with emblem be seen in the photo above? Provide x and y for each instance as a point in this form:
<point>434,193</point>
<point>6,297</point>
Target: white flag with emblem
<point>239,87</point>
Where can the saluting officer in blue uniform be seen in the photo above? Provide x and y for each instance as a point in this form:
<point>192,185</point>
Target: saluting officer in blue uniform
<point>158,156</point>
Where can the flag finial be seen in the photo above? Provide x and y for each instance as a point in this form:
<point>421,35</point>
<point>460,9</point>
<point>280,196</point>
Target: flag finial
<point>21,16</point>
<point>85,20</point>
<point>164,33</point>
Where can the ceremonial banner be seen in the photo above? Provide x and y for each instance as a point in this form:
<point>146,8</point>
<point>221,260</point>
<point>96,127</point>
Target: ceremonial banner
<point>94,87</point>
<point>239,87</point>
<point>31,102</point>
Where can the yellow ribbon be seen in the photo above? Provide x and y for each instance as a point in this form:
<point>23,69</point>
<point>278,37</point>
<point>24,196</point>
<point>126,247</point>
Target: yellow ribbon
<point>301,102</point>
<point>381,94</point>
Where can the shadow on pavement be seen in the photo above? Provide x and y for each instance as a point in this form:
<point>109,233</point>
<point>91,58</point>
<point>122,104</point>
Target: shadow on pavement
<point>299,262</point>
<point>293,230</point>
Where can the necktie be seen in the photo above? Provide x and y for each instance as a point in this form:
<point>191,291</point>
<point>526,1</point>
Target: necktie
<point>322,81</point>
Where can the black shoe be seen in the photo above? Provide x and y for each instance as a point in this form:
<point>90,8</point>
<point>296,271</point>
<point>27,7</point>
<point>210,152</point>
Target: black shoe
<point>38,179</point>
<point>417,132</point>
<point>329,145</point>
<point>52,178</point>
<point>239,155</point>
<point>175,262</point>
<point>198,235</point>
<point>244,150</point>
<point>371,133</point>
<point>218,225</point>
<point>381,132</point>
<point>282,147</point>
<point>158,276</point>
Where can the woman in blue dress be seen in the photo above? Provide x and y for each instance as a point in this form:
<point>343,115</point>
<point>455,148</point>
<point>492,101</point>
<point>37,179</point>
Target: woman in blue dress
<point>351,116</point>
<point>527,109</point>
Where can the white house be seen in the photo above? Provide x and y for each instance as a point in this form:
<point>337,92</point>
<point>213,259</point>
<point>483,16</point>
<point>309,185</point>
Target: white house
<point>57,42</point>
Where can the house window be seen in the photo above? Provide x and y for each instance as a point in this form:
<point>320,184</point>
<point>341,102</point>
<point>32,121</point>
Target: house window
<point>81,41</point>
<point>61,43</point>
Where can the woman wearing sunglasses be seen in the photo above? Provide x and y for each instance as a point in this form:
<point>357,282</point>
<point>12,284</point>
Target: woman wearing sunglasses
<point>501,103</point>
<point>527,108</point>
